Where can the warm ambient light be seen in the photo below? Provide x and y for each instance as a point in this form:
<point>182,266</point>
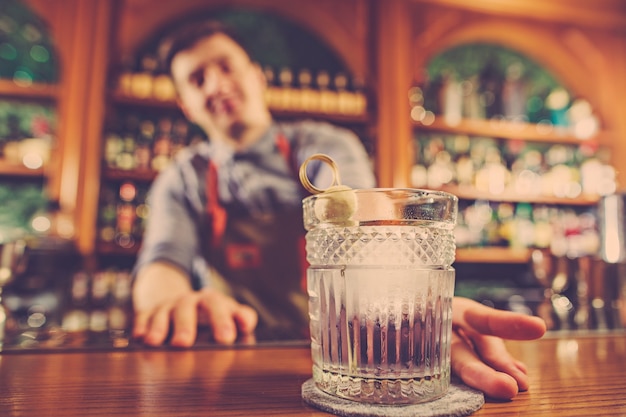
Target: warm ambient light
<point>41,224</point>
<point>32,160</point>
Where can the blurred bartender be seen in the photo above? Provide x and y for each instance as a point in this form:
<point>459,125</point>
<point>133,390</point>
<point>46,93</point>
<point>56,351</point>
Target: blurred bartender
<point>233,205</point>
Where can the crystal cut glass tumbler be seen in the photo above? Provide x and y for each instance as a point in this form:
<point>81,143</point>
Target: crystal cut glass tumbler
<point>380,286</point>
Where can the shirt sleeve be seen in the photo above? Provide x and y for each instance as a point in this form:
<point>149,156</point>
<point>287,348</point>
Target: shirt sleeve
<point>343,146</point>
<point>171,231</point>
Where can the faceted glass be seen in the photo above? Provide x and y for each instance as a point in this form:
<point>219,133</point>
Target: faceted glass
<point>380,287</point>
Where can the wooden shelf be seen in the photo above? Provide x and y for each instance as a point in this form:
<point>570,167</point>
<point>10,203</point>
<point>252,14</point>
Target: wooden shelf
<point>120,98</point>
<point>493,255</point>
<point>280,114</point>
<point>512,130</point>
<point>10,169</point>
<point>35,91</point>
<point>469,193</point>
<point>144,175</point>
<point>109,248</point>
<point>330,117</point>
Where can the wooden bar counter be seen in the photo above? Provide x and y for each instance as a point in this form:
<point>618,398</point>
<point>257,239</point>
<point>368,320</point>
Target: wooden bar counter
<point>571,374</point>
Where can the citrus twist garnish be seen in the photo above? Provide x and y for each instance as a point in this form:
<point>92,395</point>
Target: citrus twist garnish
<point>337,203</point>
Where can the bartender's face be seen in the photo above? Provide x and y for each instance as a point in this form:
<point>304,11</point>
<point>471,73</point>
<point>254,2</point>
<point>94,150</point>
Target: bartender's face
<point>219,87</point>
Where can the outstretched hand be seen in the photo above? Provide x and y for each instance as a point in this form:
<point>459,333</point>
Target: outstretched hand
<point>479,356</point>
<point>172,308</point>
<point>227,319</point>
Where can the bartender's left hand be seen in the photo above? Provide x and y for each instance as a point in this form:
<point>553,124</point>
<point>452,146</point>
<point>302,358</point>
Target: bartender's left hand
<point>479,356</point>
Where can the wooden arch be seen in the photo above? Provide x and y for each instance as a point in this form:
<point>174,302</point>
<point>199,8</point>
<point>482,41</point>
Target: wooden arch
<point>339,24</point>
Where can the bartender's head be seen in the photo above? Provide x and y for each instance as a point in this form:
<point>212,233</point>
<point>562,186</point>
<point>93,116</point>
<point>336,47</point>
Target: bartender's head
<point>219,87</point>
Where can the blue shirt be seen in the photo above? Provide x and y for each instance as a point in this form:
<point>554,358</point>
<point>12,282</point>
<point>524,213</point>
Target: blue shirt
<point>257,180</point>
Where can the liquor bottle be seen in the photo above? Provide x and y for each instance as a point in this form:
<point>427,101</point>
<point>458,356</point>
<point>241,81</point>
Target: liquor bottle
<point>584,123</point>
<point>431,147</point>
<point>271,92</point>
<point>601,275</point>
<point>514,93</point>
<point>493,177</point>
<point>126,215</point>
<point>562,281</point>
<point>287,95</point>
<point>557,103</point>
<point>590,233</point>
<point>143,144</point>
<point>465,171</point>
<point>543,229</point>
<point>308,97</point>
<point>126,158</point>
<point>322,80</point>
<point>76,317</point>
<point>430,91</point>
<point>451,99</point>
<point>142,82</point>
<point>491,81</point>
<point>107,213</point>
<point>344,97</point>
<point>477,216</point>
<point>162,145</point>
<point>524,236</point>
<point>120,309</point>
<point>491,229</point>
<point>113,147</point>
<point>99,302</point>
<point>163,87</point>
<point>180,136</point>
<point>506,216</point>
<point>472,107</point>
<point>142,211</point>
<point>442,170</point>
<point>464,166</point>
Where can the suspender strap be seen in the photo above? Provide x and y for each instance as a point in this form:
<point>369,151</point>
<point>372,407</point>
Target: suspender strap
<point>285,150</point>
<point>217,214</point>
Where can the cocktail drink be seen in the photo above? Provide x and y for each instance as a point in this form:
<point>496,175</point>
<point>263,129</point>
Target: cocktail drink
<point>380,285</point>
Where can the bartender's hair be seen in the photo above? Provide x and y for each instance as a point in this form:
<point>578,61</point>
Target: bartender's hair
<point>188,35</point>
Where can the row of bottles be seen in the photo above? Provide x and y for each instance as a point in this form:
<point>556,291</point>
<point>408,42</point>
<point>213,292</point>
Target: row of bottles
<point>321,92</point>
<point>76,308</point>
<point>122,214</point>
<point>563,231</point>
<point>146,85</point>
<point>517,167</point>
<point>506,93</point>
<point>580,293</point>
<point>147,142</point>
<point>287,89</point>
<point>26,132</point>
<point>98,302</point>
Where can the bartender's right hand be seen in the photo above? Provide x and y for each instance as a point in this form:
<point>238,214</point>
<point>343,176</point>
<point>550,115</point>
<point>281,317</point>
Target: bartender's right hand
<point>163,297</point>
